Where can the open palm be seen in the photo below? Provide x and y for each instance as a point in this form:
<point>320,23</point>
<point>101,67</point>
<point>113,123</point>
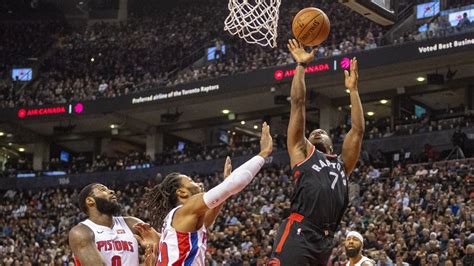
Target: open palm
<point>299,53</point>
<point>227,167</point>
<point>352,76</point>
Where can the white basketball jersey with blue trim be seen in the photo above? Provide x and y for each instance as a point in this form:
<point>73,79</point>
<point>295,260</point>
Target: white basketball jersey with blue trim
<point>178,248</point>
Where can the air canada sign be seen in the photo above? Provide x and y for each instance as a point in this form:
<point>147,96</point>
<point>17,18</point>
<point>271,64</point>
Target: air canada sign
<point>41,111</point>
<point>280,74</point>
<point>54,110</point>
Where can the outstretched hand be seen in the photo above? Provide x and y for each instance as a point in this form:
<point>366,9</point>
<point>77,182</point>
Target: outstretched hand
<point>352,78</point>
<point>227,167</point>
<point>299,53</point>
<point>266,141</point>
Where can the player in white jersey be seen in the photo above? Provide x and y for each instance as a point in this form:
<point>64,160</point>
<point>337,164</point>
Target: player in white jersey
<point>104,239</point>
<point>184,212</point>
<point>353,245</point>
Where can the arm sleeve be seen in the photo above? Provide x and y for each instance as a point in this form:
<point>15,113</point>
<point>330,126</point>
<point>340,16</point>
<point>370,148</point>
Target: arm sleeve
<point>234,183</point>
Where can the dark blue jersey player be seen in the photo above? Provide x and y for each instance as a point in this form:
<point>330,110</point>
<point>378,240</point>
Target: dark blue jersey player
<point>321,192</point>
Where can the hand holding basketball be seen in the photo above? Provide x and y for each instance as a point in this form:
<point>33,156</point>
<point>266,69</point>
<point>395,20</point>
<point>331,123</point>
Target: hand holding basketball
<point>299,53</point>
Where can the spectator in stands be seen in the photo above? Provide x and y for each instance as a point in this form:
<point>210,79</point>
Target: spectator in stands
<point>464,23</point>
<point>434,28</point>
<point>371,44</point>
<point>459,138</point>
<point>444,26</point>
<point>468,259</point>
<point>421,172</point>
<point>374,172</point>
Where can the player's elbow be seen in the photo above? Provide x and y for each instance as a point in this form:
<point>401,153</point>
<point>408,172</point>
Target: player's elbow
<point>358,130</point>
<point>298,100</point>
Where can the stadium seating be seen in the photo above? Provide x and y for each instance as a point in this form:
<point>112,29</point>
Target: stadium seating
<point>194,153</point>
<point>408,214</point>
<point>109,60</point>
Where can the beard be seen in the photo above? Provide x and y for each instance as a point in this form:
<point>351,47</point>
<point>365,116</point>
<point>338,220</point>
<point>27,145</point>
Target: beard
<point>352,252</point>
<point>107,207</point>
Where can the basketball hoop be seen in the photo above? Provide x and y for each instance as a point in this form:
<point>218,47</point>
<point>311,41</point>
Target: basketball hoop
<point>255,21</point>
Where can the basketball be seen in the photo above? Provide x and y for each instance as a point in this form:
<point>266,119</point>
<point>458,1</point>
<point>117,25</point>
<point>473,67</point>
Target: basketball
<point>311,26</point>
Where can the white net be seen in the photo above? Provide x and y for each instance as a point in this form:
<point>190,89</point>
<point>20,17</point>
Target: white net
<point>255,21</point>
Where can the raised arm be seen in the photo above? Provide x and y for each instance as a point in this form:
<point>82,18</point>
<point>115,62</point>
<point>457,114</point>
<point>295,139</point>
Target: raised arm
<point>297,142</point>
<point>211,214</point>
<point>81,241</point>
<point>190,217</point>
<point>353,141</point>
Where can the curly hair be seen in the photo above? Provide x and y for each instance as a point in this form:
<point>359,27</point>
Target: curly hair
<point>162,198</point>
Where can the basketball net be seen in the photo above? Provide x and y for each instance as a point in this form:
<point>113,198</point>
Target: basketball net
<point>255,21</point>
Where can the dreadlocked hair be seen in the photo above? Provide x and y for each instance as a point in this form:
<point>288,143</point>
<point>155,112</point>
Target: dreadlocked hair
<point>162,198</point>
